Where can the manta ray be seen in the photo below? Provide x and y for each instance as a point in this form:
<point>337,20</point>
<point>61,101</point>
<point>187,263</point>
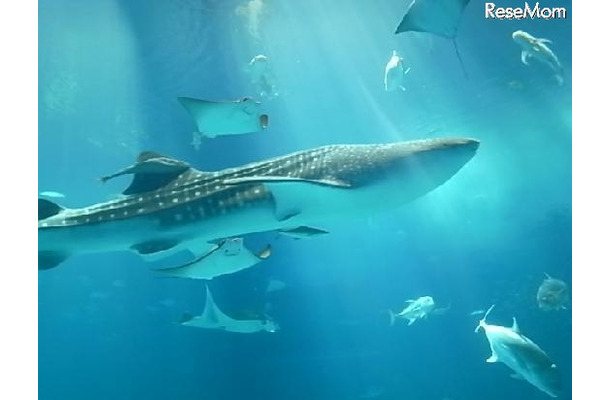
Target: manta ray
<point>214,318</point>
<point>438,17</point>
<point>227,257</point>
<point>232,117</point>
<point>170,206</point>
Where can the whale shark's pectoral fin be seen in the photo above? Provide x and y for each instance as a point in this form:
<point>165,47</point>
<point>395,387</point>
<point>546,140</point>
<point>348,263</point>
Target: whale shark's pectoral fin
<point>150,172</point>
<point>50,259</point>
<point>493,358</point>
<point>542,40</point>
<point>294,195</point>
<point>524,56</point>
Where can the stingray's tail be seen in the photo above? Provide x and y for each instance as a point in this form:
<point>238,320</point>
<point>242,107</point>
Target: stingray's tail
<point>459,58</point>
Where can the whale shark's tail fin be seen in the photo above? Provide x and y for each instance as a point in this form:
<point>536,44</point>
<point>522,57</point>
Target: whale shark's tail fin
<point>483,321</point>
<point>48,259</point>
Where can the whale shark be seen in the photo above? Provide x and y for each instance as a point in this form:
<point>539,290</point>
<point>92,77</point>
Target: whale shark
<point>524,357</point>
<point>170,206</point>
<point>214,318</point>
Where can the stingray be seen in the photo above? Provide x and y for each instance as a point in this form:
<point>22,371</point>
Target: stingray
<point>214,318</point>
<point>439,17</point>
<point>232,117</point>
<point>227,257</point>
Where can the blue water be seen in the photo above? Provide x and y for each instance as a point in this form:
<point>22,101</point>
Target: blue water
<point>109,75</point>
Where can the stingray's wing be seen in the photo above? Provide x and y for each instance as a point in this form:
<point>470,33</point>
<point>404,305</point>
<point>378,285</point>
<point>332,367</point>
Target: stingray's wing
<point>440,17</point>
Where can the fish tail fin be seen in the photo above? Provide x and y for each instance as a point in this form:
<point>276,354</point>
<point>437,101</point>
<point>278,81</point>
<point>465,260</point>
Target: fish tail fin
<point>459,58</point>
<point>392,318</point>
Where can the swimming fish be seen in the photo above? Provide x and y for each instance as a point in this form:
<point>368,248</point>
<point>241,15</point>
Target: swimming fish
<point>213,318</point>
<point>523,356</point>
<point>537,48</point>
<point>170,206</point>
<point>553,294</point>
<point>395,73</point>
<point>417,309</point>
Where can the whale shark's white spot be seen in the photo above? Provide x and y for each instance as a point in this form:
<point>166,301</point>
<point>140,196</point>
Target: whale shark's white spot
<point>111,215</point>
<point>125,213</point>
<point>197,194</point>
<point>160,204</point>
<point>140,210</point>
<point>175,200</point>
<point>140,199</point>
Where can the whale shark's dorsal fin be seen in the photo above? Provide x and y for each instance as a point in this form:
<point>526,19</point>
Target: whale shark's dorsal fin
<point>150,172</point>
<point>515,326</point>
<point>47,208</point>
